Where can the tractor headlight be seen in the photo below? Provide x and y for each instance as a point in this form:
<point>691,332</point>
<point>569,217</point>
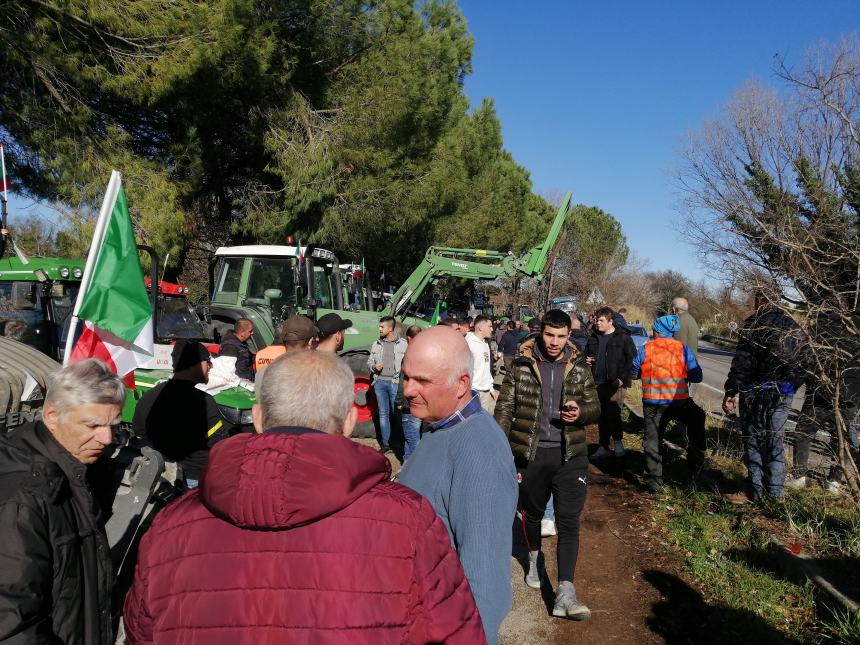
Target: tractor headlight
<point>64,272</point>
<point>77,273</point>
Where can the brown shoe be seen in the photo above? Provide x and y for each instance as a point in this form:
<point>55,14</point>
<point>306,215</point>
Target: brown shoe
<point>737,498</point>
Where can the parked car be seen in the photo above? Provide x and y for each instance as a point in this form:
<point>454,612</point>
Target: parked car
<point>639,335</point>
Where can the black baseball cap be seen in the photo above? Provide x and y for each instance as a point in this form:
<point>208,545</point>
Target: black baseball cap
<point>188,353</point>
<point>330,323</point>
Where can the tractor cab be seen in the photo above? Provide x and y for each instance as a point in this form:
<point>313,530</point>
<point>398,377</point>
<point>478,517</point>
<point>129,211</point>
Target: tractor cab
<point>269,283</point>
<point>36,301</point>
<point>176,318</point>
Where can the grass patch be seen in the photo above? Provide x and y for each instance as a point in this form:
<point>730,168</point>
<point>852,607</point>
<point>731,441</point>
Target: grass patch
<point>732,559</point>
<point>843,628</point>
<point>826,524</point>
<point>728,550</point>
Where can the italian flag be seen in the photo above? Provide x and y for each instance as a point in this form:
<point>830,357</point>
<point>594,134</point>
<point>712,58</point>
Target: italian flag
<point>441,307</point>
<point>112,303</point>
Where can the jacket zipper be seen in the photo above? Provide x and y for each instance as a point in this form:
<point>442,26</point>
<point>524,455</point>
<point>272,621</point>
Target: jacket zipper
<point>534,446</point>
<point>563,429</point>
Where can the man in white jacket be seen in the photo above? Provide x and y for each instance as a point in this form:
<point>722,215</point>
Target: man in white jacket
<point>482,375</point>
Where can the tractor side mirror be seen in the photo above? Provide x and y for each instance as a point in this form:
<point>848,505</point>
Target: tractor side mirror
<point>23,295</point>
<point>272,294</point>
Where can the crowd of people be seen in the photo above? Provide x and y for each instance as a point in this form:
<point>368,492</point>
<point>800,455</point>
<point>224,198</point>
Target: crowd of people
<point>294,533</point>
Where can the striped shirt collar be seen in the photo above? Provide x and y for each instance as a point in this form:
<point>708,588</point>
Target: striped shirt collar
<point>473,406</point>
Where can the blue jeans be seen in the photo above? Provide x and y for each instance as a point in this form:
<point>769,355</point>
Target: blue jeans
<point>549,513</point>
<point>386,394</point>
<point>763,417</point>
<point>411,432</point>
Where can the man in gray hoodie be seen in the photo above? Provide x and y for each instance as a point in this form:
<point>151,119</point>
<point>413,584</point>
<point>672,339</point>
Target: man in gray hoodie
<point>386,357</point>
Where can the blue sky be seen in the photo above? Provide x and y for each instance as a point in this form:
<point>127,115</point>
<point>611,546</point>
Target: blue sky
<point>596,97</point>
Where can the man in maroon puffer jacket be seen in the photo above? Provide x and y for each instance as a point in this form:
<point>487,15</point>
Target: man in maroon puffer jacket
<point>296,535</point>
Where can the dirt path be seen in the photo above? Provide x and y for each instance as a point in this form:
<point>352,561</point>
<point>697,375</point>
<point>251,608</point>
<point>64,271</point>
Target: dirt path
<point>613,559</point>
<point>633,588</point>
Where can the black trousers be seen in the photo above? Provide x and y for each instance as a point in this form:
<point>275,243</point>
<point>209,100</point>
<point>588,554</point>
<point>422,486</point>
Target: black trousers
<point>548,474</point>
<point>609,424</point>
<point>656,418</point>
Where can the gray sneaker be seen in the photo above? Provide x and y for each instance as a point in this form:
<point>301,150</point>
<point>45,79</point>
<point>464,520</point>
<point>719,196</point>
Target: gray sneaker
<point>533,576</point>
<point>566,604</point>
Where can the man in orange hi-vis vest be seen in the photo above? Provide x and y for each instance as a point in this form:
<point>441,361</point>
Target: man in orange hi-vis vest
<point>667,367</point>
<point>296,333</point>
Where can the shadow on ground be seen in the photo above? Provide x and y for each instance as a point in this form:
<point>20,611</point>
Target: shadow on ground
<point>842,573</point>
<point>631,467</point>
<point>683,617</point>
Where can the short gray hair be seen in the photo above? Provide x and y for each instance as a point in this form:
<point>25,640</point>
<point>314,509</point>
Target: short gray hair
<point>461,363</point>
<point>84,383</point>
<point>680,303</point>
<point>307,389</point>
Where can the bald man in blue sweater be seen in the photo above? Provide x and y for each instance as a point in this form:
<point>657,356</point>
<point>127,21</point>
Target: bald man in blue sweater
<point>463,466</point>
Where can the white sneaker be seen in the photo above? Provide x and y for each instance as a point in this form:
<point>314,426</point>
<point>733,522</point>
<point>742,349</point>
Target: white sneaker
<point>834,486</point>
<point>601,453</point>
<point>619,449</point>
<point>547,527</point>
<point>795,482</point>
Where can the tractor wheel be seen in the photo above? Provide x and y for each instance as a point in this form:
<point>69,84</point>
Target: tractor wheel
<point>365,400</point>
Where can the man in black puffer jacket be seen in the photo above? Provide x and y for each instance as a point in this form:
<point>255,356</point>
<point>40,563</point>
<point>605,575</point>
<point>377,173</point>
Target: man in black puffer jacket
<point>55,567</point>
<point>610,352</point>
<point>769,366</point>
<point>545,403</point>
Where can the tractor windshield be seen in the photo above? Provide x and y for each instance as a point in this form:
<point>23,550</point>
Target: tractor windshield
<point>177,319</point>
<point>269,274</point>
<point>323,293</point>
<point>37,314</point>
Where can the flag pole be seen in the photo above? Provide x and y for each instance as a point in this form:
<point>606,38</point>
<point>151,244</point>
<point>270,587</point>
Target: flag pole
<point>3,204</point>
<point>98,237</point>
<point>5,185</point>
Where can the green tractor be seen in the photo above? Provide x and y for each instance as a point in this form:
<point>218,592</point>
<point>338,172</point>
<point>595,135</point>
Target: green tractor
<point>36,301</point>
<point>268,283</point>
<point>441,263</point>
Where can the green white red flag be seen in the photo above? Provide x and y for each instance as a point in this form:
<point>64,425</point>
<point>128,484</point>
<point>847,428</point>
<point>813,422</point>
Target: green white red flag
<point>441,307</point>
<point>112,303</point>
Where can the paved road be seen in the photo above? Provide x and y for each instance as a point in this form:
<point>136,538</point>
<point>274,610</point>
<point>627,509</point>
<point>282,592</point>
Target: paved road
<point>715,362</point>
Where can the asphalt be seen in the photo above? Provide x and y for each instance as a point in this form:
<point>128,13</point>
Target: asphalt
<point>715,362</point>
